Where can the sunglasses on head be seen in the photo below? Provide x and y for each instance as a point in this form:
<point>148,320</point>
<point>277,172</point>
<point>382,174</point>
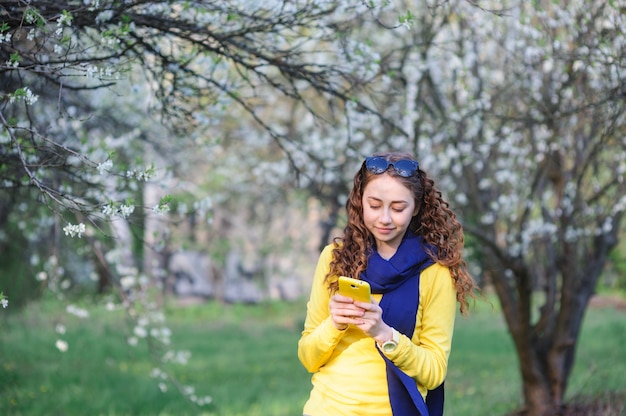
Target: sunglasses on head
<point>403,167</point>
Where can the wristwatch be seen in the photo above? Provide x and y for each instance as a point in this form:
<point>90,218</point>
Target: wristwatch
<point>392,344</point>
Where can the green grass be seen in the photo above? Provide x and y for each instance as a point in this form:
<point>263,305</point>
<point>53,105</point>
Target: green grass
<point>245,358</point>
<point>483,376</point>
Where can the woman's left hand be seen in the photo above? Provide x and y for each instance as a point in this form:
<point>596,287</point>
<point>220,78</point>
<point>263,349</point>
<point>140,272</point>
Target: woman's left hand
<point>372,322</point>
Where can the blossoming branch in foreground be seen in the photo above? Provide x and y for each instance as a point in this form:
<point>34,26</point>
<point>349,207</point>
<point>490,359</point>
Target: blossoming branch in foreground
<point>74,230</point>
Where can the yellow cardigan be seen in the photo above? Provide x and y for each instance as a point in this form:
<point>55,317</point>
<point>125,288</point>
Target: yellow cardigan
<point>349,374</point>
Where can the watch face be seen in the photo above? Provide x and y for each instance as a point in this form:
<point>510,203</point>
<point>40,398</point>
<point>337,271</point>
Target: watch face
<point>389,346</point>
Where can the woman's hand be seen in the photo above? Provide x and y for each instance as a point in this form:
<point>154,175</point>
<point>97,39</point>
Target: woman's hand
<point>372,322</point>
<point>344,311</point>
<point>366,316</point>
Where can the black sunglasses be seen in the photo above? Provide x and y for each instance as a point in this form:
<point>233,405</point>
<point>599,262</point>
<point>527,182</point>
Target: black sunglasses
<point>403,167</point>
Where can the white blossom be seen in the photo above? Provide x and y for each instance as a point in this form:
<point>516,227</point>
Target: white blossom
<point>161,209</point>
<point>104,16</point>
<point>92,70</point>
<point>488,218</point>
<point>141,175</point>
<point>23,93</point>
<point>108,210</point>
<point>126,210</point>
<point>158,373</point>
<point>76,311</point>
<point>127,282</point>
<point>74,230</point>
<point>61,345</point>
<point>93,4</point>
<point>105,166</point>
<point>140,331</point>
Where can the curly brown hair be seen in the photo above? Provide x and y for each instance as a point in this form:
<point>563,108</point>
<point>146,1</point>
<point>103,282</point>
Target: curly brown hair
<point>435,221</point>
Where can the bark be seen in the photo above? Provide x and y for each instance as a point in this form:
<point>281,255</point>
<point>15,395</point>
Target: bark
<point>101,265</point>
<point>546,348</point>
<point>542,365</point>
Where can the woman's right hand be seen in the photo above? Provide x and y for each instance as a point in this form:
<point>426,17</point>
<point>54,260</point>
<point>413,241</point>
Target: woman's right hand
<point>344,312</point>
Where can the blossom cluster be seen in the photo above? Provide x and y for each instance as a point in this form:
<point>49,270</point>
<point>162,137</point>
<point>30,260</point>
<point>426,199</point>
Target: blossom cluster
<point>122,210</point>
<point>24,94</point>
<point>142,175</point>
<point>74,230</point>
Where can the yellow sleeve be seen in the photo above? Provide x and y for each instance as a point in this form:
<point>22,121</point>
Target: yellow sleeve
<point>319,337</point>
<point>425,356</point>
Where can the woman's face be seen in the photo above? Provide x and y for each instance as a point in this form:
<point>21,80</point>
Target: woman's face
<point>388,207</point>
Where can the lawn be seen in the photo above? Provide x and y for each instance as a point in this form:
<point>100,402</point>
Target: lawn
<point>244,358</point>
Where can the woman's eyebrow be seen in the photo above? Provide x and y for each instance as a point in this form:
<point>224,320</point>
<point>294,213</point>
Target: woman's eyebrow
<point>400,201</point>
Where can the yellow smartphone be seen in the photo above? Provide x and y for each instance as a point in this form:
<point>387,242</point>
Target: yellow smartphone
<point>355,289</point>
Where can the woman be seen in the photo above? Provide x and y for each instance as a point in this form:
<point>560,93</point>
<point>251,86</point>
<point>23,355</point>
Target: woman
<point>383,357</point>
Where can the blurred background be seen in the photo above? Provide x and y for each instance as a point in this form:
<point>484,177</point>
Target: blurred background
<point>170,171</point>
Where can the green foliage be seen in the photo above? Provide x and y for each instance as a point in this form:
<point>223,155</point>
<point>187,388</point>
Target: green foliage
<point>16,277</point>
<point>244,357</point>
<point>482,364</point>
<point>407,19</point>
<point>600,352</point>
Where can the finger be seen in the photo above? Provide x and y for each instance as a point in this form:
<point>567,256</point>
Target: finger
<point>338,304</point>
<point>348,310</point>
<point>342,299</point>
<point>350,320</point>
<point>365,305</point>
<point>342,320</point>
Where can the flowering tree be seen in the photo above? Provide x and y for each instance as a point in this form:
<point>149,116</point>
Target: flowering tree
<point>518,111</point>
<point>196,60</point>
<point>83,83</point>
<point>67,139</point>
<point>521,114</point>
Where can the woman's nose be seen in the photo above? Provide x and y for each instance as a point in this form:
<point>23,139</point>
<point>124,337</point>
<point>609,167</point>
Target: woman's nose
<point>385,218</point>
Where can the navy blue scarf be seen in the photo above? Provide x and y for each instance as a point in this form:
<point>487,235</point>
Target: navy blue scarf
<point>398,279</point>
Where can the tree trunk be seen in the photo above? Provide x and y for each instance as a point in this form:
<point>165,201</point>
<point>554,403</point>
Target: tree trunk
<point>543,380</point>
<point>334,207</point>
<point>327,225</point>
<point>537,398</point>
<point>545,348</point>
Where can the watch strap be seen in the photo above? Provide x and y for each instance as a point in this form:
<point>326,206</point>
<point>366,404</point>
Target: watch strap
<point>392,344</point>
